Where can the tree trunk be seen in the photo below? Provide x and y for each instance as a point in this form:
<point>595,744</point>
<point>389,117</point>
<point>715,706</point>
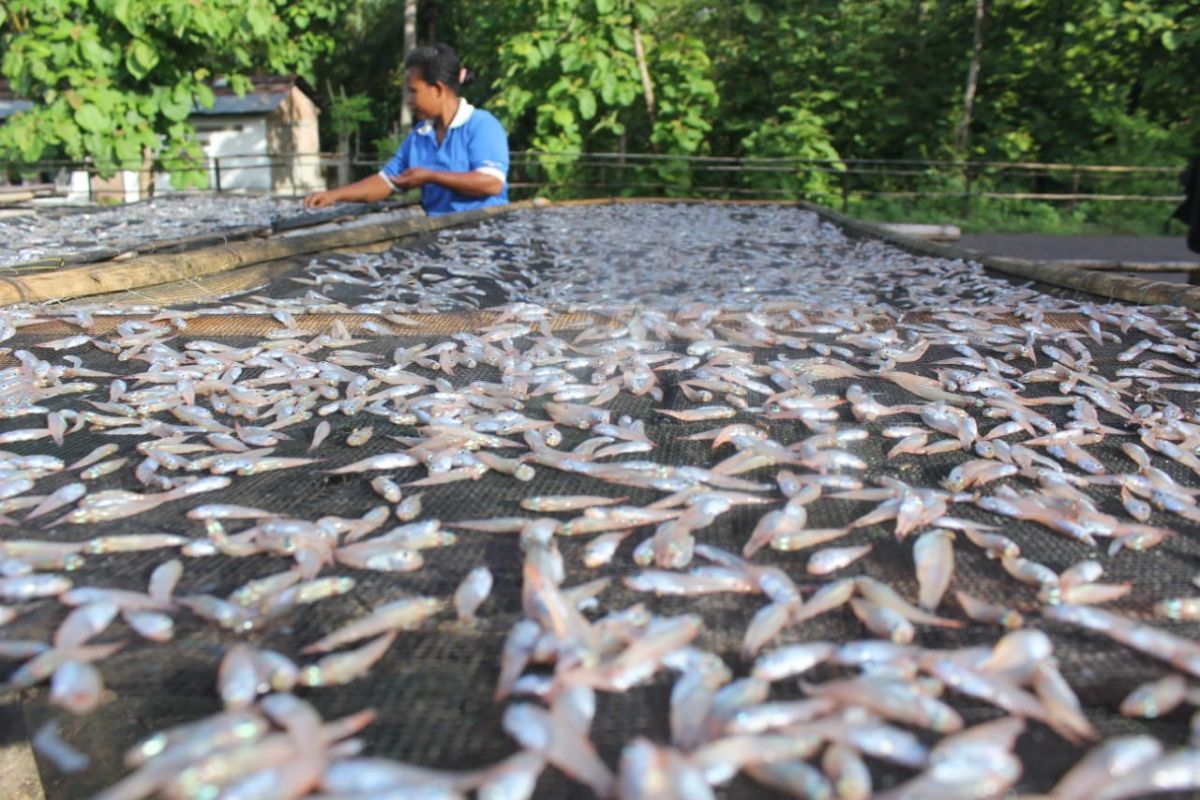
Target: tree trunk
<point>410,44</point>
<point>343,140</point>
<point>964,125</point>
<point>433,16</point>
<point>343,162</point>
<point>647,86</point>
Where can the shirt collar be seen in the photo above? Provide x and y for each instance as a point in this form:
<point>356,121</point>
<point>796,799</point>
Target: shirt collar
<point>461,116</point>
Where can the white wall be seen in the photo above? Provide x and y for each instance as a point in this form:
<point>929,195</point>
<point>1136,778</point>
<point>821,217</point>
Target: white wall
<point>123,187</point>
<point>225,137</point>
<point>78,190</point>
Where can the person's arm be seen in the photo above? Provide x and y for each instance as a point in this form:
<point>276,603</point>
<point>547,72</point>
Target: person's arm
<point>369,190</point>
<point>471,184</point>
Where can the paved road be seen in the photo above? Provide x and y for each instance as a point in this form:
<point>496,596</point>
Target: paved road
<point>1097,248</point>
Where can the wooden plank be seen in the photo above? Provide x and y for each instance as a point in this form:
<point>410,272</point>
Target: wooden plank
<point>1149,198</point>
<point>934,233</point>
<point>24,188</point>
<point>1131,266</point>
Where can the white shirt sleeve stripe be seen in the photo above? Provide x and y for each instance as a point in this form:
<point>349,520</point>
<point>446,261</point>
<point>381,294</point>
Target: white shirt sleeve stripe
<point>495,173</point>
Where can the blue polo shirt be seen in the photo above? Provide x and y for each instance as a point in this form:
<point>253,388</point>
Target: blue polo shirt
<point>475,142</point>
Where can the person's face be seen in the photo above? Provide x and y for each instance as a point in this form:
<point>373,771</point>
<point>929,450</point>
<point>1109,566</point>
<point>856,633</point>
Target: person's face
<point>425,99</point>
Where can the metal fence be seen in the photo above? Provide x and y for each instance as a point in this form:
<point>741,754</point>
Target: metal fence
<point>561,175</point>
<point>838,182</point>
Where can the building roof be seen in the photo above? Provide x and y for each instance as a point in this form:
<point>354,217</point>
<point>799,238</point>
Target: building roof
<point>250,104</point>
<point>11,105</point>
<point>268,92</point>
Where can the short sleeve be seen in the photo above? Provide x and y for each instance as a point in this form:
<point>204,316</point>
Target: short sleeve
<point>398,162</point>
<point>488,149</point>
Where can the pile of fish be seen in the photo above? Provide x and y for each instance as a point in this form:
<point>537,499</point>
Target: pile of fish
<point>807,373</point>
<point>48,232</point>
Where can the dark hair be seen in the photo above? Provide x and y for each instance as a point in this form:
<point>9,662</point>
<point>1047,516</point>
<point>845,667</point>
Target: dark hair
<point>438,63</point>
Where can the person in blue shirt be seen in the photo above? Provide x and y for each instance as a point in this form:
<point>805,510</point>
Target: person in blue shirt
<point>457,156</point>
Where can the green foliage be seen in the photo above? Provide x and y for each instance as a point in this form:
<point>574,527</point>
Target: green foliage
<point>567,80</point>
<point>1136,139</point>
<point>1073,81</point>
<point>386,146</point>
<point>347,114</point>
<point>114,80</point>
<point>795,133</point>
<point>366,59</point>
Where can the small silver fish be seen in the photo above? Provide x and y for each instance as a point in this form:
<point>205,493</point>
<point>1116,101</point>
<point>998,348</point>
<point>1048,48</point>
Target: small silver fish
<point>471,593</point>
<point>832,559</point>
<point>49,744</point>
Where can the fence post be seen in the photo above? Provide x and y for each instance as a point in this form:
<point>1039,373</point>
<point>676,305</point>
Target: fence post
<point>967,186</point>
<point>217,170</point>
<point>845,190</point>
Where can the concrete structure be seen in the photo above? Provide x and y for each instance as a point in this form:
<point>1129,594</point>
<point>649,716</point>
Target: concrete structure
<point>267,141</point>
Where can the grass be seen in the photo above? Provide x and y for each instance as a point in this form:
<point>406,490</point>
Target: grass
<point>1092,218</point>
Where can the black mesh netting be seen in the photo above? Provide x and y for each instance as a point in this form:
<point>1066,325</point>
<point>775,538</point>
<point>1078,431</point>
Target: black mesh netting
<point>433,689</point>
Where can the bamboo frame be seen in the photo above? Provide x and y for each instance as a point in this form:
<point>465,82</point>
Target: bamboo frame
<point>152,270</point>
<point>130,248</point>
<point>1131,266</point>
<point>216,326</point>
<point>22,781</point>
<point>1113,287</point>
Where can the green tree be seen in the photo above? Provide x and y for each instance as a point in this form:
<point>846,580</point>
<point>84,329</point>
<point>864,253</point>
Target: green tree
<point>114,79</point>
<point>569,77</point>
<point>1065,81</point>
<point>1109,81</point>
<point>366,60</point>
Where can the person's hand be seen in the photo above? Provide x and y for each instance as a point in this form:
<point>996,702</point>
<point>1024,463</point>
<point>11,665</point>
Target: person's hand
<point>413,178</point>
<point>318,200</point>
